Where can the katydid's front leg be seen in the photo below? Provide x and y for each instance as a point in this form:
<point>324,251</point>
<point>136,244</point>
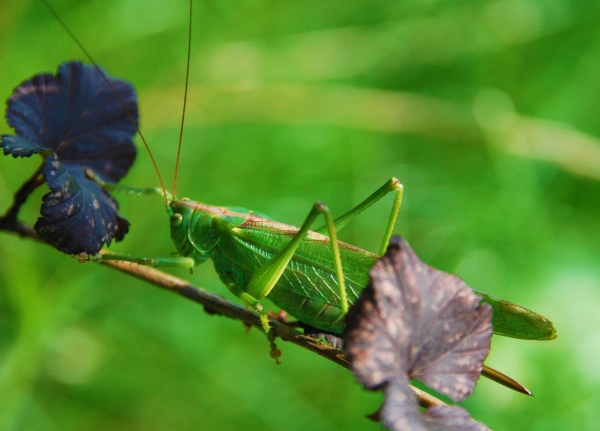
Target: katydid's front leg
<point>392,185</point>
<point>112,187</point>
<point>267,276</point>
<point>155,262</point>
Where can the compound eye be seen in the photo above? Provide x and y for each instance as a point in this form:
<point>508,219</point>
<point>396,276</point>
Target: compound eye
<point>176,219</point>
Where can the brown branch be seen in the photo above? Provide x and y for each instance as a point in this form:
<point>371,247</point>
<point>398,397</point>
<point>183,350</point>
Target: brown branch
<point>11,224</point>
<point>215,304</point>
<point>9,220</point>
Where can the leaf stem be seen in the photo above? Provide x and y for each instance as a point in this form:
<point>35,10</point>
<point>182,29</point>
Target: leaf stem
<point>9,220</point>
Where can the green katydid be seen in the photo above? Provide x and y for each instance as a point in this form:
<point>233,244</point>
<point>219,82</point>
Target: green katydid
<point>308,273</point>
<point>299,270</point>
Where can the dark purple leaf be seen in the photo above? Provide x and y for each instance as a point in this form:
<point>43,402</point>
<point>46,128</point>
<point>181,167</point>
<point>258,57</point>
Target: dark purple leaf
<point>77,205</point>
<point>20,147</point>
<point>74,120</point>
<point>415,322</point>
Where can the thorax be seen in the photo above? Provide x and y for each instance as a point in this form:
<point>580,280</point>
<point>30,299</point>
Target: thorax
<point>198,228</point>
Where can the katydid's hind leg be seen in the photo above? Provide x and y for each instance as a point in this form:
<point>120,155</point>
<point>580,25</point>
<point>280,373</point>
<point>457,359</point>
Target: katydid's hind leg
<point>265,278</point>
<point>389,229</point>
<point>392,185</point>
<point>155,262</point>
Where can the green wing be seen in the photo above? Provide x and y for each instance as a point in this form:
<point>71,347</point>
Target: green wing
<point>308,288</point>
<point>311,275</point>
<point>311,271</point>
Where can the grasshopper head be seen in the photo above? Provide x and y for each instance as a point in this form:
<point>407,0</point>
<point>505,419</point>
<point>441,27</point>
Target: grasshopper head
<point>194,227</point>
<point>180,213</point>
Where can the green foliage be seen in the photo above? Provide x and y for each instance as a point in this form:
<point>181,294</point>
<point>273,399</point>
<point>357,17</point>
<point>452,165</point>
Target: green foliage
<point>473,105</point>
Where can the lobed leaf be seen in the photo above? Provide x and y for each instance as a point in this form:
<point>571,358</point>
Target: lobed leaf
<point>75,120</point>
<point>415,322</point>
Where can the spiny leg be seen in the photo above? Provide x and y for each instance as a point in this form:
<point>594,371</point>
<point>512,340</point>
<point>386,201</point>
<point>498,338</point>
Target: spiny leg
<point>251,301</point>
<point>392,185</point>
<point>267,276</point>
<point>155,262</point>
<point>112,187</point>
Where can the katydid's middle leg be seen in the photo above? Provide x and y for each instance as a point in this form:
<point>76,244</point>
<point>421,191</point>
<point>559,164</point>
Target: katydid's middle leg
<point>155,262</point>
<point>267,276</point>
<point>392,185</point>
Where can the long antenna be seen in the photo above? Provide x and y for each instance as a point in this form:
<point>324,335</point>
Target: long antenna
<point>87,54</point>
<point>187,76</point>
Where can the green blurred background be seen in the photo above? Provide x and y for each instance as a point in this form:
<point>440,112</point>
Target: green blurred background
<point>486,110</point>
